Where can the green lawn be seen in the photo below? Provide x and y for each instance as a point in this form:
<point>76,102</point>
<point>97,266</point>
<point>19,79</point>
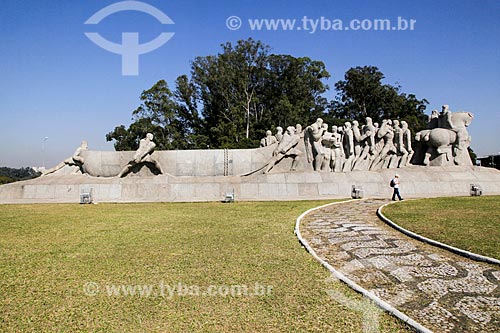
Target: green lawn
<point>469,223</point>
<point>48,253</point>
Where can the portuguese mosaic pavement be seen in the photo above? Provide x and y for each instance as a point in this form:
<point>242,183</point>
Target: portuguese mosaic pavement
<point>442,291</point>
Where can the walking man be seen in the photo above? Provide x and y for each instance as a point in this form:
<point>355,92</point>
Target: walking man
<point>395,186</point>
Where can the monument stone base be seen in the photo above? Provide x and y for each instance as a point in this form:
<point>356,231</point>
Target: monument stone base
<point>416,181</point>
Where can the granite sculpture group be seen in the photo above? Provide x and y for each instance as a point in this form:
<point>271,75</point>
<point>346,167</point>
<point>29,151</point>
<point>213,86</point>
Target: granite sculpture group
<point>346,148</point>
<point>371,147</point>
<point>310,162</point>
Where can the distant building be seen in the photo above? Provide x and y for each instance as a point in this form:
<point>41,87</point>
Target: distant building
<point>491,161</point>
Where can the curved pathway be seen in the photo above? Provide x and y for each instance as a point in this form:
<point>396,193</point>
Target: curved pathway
<point>442,291</point>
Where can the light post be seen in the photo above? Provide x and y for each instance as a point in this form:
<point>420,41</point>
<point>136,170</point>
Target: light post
<point>43,152</point>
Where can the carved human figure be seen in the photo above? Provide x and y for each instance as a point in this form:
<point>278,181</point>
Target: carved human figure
<point>268,140</point>
<point>357,140</point>
<point>299,131</point>
<point>433,120</point>
<point>379,142</point>
<point>143,155</point>
<point>444,119</point>
<point>279,133</point>
<point>348,144</point>
<point>337,150</point>
<point>75,160</point>
<point>314,148</point>
<point>368,152</point>
<point>329,156</point>
<point>386,132</point>
<point>400,152</point>
<point>405,145</point>
<point>369,131</point>
<point>286,148</point>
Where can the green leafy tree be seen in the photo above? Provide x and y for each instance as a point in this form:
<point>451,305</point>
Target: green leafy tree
<point>231,99</point>
<point>230,87</point>
<point>246,91</point>
<point>161,114</point>
<point>362,94</point>
<point>293,91</point>
<point>9,175</point>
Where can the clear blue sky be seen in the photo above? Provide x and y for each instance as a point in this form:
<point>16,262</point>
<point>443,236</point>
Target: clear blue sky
<point>56,83</point>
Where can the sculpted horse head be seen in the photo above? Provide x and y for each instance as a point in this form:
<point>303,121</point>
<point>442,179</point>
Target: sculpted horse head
<point>461,118</point>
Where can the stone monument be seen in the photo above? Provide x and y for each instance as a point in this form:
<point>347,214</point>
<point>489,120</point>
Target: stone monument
<point>301,164</point>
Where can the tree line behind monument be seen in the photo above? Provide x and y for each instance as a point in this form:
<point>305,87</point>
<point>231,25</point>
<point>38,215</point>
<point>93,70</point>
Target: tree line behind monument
<point>231,99</point>
<point>9,175</point>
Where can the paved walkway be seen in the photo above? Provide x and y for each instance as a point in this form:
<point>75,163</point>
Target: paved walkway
<point>442,291</point>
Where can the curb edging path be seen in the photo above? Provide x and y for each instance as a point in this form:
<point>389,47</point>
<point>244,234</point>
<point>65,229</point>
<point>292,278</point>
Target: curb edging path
<point>421,238</point>
<point>425,286</point>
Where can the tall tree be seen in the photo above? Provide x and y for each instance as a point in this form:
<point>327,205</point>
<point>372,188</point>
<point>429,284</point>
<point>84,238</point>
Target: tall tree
<point>293,91</point>
<point>229,86</point>
<point>362,94</point>
<point>229,101</point>
<point>158,114</point>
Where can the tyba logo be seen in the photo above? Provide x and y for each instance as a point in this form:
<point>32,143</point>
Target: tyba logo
<point>130,49</point>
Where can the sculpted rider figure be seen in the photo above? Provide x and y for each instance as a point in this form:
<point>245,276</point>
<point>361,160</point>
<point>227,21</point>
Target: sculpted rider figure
<point>446,121</point>
<point>433,120</point>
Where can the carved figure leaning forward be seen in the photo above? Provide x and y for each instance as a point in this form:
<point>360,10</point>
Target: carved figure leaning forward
<point>313,141</point>
<point>143,155</point>
<point>286,148</point>
<point>75,160</point>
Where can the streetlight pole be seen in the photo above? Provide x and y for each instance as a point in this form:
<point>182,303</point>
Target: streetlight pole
<point>43,152</point>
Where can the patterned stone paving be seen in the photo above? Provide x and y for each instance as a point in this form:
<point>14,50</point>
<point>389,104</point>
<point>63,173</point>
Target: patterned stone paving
<point>442,291</point>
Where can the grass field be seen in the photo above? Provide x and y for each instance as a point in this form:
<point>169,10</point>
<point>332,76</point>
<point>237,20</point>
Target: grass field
<point>50,253</point>
<point>469,223</point>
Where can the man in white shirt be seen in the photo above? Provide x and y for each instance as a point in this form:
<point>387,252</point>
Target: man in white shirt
<point>395,186</point>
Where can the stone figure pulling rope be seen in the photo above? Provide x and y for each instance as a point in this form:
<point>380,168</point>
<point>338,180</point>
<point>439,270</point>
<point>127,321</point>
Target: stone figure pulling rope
<point>142,156</point>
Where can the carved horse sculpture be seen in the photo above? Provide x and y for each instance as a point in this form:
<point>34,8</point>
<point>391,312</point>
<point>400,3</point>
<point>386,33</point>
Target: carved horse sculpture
<point>453,142</point>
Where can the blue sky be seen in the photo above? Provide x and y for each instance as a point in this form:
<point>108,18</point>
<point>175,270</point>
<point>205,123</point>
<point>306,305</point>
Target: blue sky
<point>56,83</point>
